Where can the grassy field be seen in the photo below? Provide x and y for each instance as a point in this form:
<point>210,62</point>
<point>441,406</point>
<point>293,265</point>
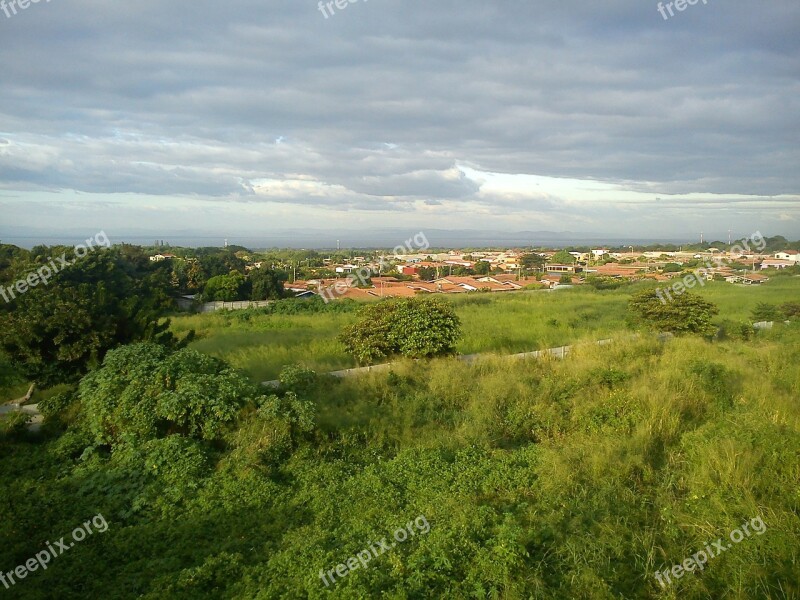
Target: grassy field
<point>501,323</point>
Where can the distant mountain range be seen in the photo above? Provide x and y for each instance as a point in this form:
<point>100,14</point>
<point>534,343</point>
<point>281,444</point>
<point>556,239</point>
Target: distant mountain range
<point>327,239</point>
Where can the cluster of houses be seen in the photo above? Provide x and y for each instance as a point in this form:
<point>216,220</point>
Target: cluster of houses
<point>402,275</point>
<point>507,271</point>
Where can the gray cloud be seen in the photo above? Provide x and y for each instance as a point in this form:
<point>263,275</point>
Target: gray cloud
<point>379,103</point>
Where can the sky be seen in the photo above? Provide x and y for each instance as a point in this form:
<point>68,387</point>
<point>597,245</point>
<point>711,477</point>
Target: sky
<point>251,118</point>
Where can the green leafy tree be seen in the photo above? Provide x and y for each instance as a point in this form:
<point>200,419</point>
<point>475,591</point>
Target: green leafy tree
<point>562,257</point>
<point>686,313</point>
<point>765,312</point>
<point>482,267</point>
<point>427,273</point>
<point>216,262</point>
<point>415,328</point>
<point>226,288</point>
<point>145,391</point>
<point>54,333</point>
<point>533,262</point>
<point>267,284</point>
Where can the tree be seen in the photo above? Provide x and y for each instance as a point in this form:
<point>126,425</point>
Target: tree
<point>686,313</point>
<point>532,261</point>
<point>226,288</point>
<point>267,284</point>
<point>765,312</point>
<point>427,273</point>
<point>566,279</point>
<point>215,262</point>
<point>144,392</point>
<point>562,257</point>
<point>482,267</point>
<point>414,327</point>
<point>54,333</point>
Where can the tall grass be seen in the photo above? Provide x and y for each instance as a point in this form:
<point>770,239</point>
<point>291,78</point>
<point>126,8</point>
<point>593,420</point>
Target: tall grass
<point>643,453</point>
<point>261,344</point>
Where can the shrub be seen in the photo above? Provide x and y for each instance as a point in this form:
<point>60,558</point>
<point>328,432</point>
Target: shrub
<point>57,403</point>
<point>604,283</point>
<point>686,313</point>
<point>734,330</point>
<point>297,379</point>
<point>15,426</point>
<point>765,312</point>
<point>143,392</point>
<point>415,328</point>
<point>790,309</point>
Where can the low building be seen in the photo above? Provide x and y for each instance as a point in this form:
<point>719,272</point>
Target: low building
<point>556,268</point>
<point>774,263</point>
<point>788,255</point>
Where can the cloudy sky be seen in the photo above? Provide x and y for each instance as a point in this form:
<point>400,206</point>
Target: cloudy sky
<point>255,117</point>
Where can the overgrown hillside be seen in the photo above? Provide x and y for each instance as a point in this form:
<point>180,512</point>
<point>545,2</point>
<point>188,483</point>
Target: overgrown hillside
<point>538,479</point>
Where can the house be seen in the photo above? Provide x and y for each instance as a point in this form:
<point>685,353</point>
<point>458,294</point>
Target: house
<point>472,284</point>
<point>160,257</point>
<point>553,280</point>
<point>556,268</point>
<point>460,263</point>
<point>774,263</point>
<point>620,271</point>
<point>467,283</point>
<point>408,270</point>
<point>508,281</point>
<point>747,279</point>
<point>306,295</point>
<point>788,255</point>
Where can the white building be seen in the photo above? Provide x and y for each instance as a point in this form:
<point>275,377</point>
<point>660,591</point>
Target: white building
<point>788,255</point>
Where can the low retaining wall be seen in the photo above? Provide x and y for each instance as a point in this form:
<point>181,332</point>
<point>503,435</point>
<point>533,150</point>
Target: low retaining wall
<point>559,352</point>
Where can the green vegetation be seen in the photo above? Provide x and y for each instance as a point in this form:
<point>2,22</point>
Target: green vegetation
<point>262,341</point>
<point>547,479</point>
<point>54,333</point>
<point>415,328</point>
<point>684,313</point>
<point>551,479</point>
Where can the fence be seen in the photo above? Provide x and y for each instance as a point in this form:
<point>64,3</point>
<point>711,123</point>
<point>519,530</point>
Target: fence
<point>215,306</point>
